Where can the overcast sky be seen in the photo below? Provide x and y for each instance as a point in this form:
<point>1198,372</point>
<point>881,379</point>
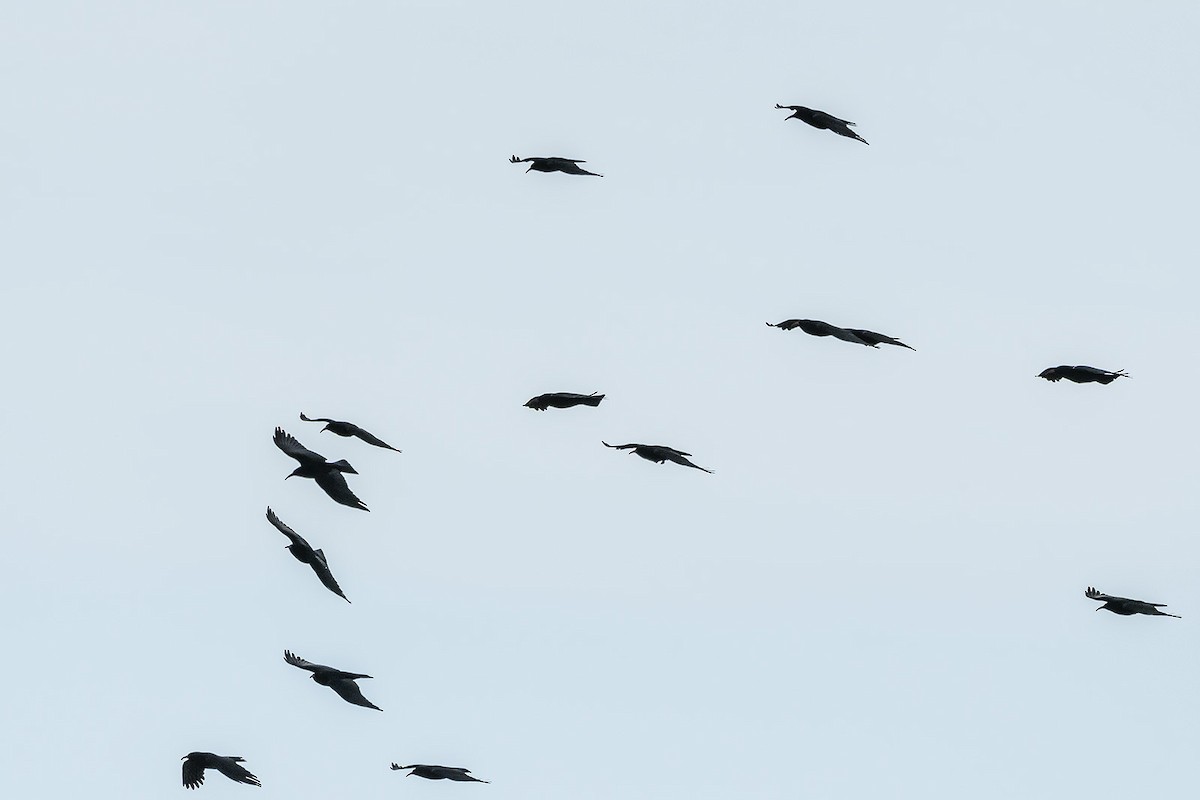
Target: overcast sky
<point>218,215</point>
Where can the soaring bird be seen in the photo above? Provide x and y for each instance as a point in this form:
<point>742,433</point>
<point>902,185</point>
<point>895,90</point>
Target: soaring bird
<point>303,552</point>
<point>436,773</point>
<point>556,164</point>
<point>875,339</point>
<point>658,453</point>
<point>349,429</point>
<point>1126,607</point>
<point>563,400</point>
<point>1082,374</point>
<point>341,682</point>
<point>194,765</point>
<point>815,327</point>
<point>313,465</point>
<point>819,119</point>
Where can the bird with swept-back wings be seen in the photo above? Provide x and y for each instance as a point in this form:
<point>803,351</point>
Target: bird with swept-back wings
<point>303,552</point>
<point>194,765</point>
<point>1126,607</point>
<point>1082,374</point>
<point>819,119</point>
<point>555,164</point>
<point>563,400</point>
<point>658,453</point>
<point>435,772</point>
<point>349,429</point>
<point>341,682</point>
<point>328,475</point>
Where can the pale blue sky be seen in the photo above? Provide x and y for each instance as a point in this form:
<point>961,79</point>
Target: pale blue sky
<point>216,216</point>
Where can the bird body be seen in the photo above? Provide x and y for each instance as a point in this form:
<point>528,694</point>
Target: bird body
<point>328,475</point>
<point>555,164</point>
<point>1126,607</point>
<point>823,121</point>
<point>563,400</point>
<point>341,682</point>
<point>435,772</point>
<point>349,429</point>
<point>303,552</point>
<point>1081,374</point>
<point>195,763</point>
<point>658,453</point>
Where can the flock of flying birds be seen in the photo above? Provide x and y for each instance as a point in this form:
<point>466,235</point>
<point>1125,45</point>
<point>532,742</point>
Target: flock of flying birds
<point>330,476</point>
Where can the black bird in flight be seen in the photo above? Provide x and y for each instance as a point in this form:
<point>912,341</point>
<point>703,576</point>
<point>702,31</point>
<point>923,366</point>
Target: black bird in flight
<point>826,122</point>
<point>556,164</point>
<point>341,682</point>
<point>563,400</point>
<point>303,552</point>
<point>658,453</point>
<point>1126,607</point>
<point>815,327</point>
<point>436,773</point>
<point>194,765</point>
<point>1082,374</point>
<point>312,465</point>
<point>349,429</point>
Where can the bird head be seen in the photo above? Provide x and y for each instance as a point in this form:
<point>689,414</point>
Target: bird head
<point>294,473</point>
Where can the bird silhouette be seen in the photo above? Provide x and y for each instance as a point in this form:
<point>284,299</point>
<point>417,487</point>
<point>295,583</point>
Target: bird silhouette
<point>563,400</point>
<point>658,453</point>
<point>1081,374</point>
<point>303,552</point>
<point>819,119</point>
<point>436,773</point>
<point>815,327</point>
<point>1126,607</point>
<point>313,465</point>
<point>194,765</point>
<point>349,429</point>
<point>341,682</point>
<point>555,164</point>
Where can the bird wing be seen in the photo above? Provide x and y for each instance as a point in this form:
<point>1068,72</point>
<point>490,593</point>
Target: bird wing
<point>679,459</point>
<point>193,773</point>
<point>317,419</point>
<point>1096,594</point>
<point>847,336</point>
<point>348,690</point>
<point>826,117</point>
<point>871,337</point>
<point>568,160</point>
<point>539,403</point>
<point>288,444</point>
<point>789,108</point>
<point>235,771</point>
<point>787,324</point>
<point>516,160</point>
<point>321,566</point>
<point>297,661</point>
<point>371,438</point>
<point>296,538</point>
<point>620,446</point>
<point>336,487</point>
<point>672,450</point>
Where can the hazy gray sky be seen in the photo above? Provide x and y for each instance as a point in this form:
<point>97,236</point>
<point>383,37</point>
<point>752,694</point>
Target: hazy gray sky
<point>217,215</point>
